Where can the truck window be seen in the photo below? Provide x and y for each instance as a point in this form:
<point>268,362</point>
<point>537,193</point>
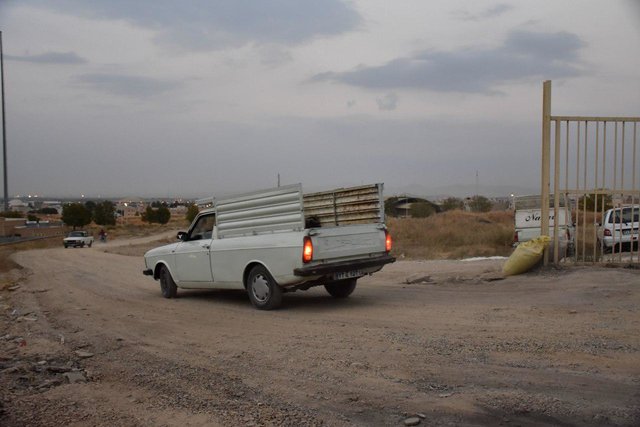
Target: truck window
<point>203,229</point>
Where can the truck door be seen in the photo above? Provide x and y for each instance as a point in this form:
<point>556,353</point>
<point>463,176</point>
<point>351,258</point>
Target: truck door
<point>192,254</point>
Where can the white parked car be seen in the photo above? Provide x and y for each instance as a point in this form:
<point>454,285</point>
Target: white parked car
<point>275,241</point>
<point>78,239</point>
<point>619,229</point>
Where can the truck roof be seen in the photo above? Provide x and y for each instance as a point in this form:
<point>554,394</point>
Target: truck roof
<point>533,201</point>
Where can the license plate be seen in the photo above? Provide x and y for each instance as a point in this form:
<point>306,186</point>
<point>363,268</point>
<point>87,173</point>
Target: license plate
<point>347,275</point>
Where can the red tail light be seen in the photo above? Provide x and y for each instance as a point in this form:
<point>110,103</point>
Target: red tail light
<point>515,237</point>
<point>607,232</point>
<point>307,250</point>
<point>387,241</point>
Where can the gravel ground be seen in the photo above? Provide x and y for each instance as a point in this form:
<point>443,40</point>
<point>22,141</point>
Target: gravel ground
<point>88,340</point>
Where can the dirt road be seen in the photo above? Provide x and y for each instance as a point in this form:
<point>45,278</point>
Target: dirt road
<point>88,340</point>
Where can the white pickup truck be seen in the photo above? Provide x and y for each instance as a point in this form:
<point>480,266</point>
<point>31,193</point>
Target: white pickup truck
<point>78,238</point>
<point>528,222</point>
<point>279,240</point>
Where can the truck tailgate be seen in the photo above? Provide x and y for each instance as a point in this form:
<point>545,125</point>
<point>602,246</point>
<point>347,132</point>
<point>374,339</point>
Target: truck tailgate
<point>334,244</point>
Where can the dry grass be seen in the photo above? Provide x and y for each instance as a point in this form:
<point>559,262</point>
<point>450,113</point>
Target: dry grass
<point>453,235</point>
<point>449,235</point>
<point>138,229</point>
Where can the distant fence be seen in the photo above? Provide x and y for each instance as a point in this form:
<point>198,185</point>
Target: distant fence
<point>7,241</point>
<point>595,165</point>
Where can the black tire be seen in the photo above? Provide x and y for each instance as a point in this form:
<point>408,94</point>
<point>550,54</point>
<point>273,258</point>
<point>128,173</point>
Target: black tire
<point>342,288</point>
<point>167,285</point>
<point>264,292</point>
<point>90,243</point>
<point>82,245</point>
<point>65,246</point>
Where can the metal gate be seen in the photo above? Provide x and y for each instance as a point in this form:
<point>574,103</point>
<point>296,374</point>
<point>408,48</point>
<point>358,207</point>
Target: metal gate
<point>595,166</point>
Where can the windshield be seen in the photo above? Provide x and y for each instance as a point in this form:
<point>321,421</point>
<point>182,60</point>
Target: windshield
<point>76,234</point>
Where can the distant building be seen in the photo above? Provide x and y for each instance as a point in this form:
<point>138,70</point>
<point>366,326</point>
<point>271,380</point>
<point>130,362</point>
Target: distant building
<point>130,207</point>
<point>18,205</point>
<point>401,206</point>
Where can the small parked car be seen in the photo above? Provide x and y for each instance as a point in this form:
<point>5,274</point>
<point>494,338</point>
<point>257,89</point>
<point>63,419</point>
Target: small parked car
<point>619,229</point>
<point>78,239</point>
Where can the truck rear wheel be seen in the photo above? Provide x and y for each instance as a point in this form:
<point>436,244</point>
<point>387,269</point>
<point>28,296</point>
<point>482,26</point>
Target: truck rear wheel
<point>264,292</point>
<point>167,285</point>
<point>342,288</point>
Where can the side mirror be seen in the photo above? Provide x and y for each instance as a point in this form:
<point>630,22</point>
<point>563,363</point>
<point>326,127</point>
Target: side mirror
<point>182,235</point>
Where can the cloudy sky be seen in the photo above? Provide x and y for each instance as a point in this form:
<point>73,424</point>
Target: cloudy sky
<point>163,98</point>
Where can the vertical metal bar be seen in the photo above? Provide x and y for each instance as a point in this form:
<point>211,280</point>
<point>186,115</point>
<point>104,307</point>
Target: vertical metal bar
<point>633,197</point>
<point>556,193</point>
<point>623,194</point>
<point>622,160</point>
<point>546,152</point>
<point>615,188</point>
<point>566,189</point>
<point>597,195</point>
<point>4,132</point>
<point>582,197</point>
<point>615,156</point>
<point>604,177</point>
<point>584,211</point>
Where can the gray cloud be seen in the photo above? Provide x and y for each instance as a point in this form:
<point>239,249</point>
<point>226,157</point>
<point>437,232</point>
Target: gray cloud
<point>387,102</point>
<point>212,24</point>
<point>524,55</point>
<point>62,58</point>
<point>121,84</point>
<point>491,12</point>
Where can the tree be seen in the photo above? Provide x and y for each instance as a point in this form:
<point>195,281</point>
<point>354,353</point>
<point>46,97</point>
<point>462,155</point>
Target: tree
<point>149,215</point>
<point>192,211</point>
<point>90,205</point>
<point>480,204</point>
<point>163,215</point>
<point>104,213</point>
<point>451,203</point>
<point>76,215</point>
<point>588,202</point>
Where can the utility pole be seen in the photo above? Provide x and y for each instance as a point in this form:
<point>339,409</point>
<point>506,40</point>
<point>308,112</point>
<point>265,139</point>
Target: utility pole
<point>4,131</point>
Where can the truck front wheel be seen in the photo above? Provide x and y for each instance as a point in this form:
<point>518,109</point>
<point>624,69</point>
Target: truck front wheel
<point>167,285</point>
<point>264,292</point>
<point>341,289</point>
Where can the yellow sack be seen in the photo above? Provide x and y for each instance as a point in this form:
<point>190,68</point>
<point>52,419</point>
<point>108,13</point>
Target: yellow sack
<point>525,256</point>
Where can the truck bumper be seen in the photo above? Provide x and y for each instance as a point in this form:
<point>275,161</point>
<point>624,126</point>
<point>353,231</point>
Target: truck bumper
<point>147,272</point>
<point>338,267</point>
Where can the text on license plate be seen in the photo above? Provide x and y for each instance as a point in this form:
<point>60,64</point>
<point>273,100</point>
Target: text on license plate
<point>347,274</point>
